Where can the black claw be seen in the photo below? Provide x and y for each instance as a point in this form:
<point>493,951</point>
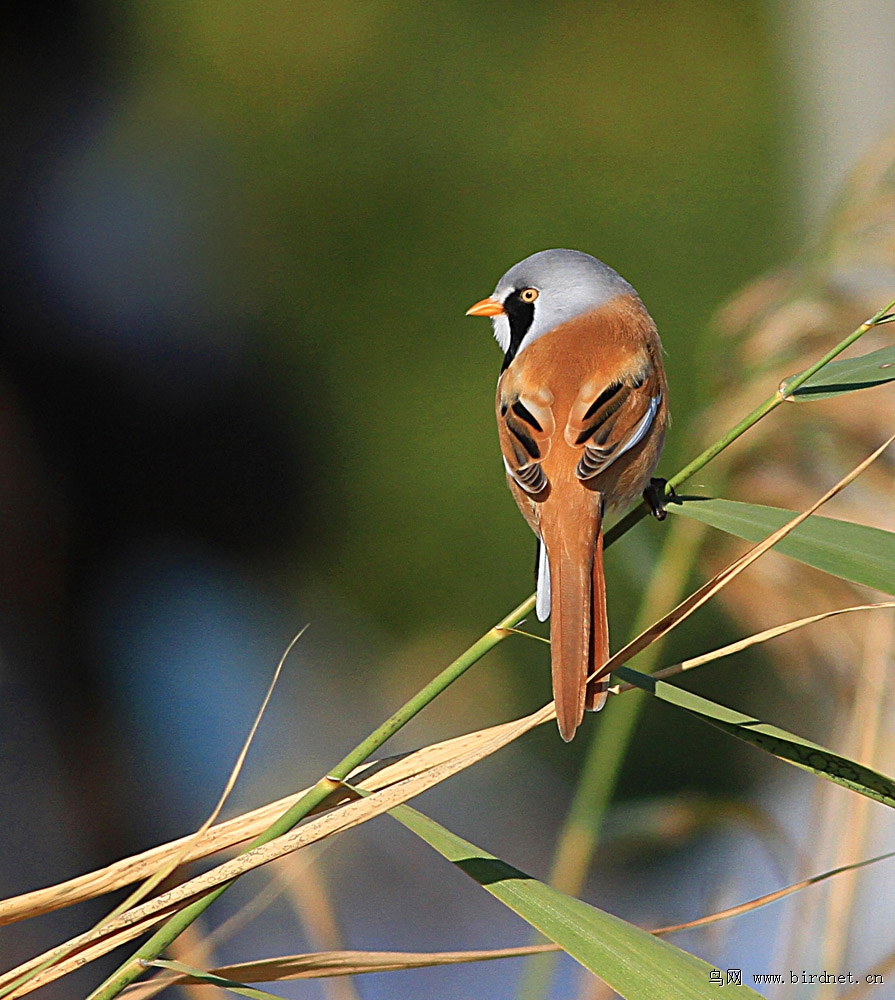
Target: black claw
<point>654,495</point>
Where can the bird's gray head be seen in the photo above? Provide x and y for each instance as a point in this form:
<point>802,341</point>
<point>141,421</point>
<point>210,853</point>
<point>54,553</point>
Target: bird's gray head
<point>544,290</point>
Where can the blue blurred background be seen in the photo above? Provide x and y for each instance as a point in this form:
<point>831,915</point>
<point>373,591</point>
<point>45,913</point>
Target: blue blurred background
<point>238,394</point>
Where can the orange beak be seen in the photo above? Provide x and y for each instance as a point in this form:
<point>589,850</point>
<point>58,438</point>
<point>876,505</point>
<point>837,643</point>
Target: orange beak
<point>486,307</point>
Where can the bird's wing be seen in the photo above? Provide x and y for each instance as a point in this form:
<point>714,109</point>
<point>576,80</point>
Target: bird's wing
<point>525,424</point>
<point>609,420</point>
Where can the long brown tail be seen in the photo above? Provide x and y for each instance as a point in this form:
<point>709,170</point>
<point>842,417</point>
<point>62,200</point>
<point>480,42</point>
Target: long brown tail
<point>595,697</point>
<point>579,633</point>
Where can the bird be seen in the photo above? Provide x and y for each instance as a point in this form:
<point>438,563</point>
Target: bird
<point>582,408</point>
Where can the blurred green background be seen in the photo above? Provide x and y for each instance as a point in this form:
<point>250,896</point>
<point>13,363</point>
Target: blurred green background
<point>376,168</point>
<point>240,393</point>
<point>243,239</point>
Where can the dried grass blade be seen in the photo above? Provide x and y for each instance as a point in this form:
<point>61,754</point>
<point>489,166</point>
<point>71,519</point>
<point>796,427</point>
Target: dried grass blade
<point>452,756</point>
<point>186,848</point>
<point>337,963</point>
<point>751,640</point>
<point>771,897</point>
<point>729,573</point>
<point>371,777</point>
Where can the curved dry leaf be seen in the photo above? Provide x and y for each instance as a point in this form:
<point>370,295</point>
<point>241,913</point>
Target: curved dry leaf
<point>426,767</point>
<point>336,963</point>
<point>708,590</point>
<point>232,832</point>
<point>751,640</point>
<point>771,897</point>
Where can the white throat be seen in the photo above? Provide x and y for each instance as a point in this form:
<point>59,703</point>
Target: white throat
<point>501,327</point>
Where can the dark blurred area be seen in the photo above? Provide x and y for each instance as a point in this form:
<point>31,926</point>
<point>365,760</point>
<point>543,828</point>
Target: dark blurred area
<point>238,394</point>
<point>139,431</point>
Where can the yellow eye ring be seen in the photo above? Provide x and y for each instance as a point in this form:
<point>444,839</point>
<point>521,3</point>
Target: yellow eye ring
<point>528,294</point>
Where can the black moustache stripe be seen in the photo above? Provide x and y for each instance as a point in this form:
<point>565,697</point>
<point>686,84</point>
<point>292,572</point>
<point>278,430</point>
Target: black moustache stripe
<point>521,315</point>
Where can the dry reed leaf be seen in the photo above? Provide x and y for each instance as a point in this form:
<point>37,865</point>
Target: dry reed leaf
<point>426,768</point>
<point>336,963</point>
<point>751,640</point>
<point>708,590</point>
<point>370,777</point>
<point>770,897</point>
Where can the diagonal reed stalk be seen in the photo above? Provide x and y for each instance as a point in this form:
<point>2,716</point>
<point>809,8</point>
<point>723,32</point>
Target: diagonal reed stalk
<point>163,937</point>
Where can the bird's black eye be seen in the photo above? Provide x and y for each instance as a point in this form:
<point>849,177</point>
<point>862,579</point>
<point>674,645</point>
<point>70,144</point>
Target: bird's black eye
<point>528,294</point>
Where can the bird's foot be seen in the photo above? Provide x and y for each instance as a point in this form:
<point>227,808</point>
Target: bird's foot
<point>654,495</point>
